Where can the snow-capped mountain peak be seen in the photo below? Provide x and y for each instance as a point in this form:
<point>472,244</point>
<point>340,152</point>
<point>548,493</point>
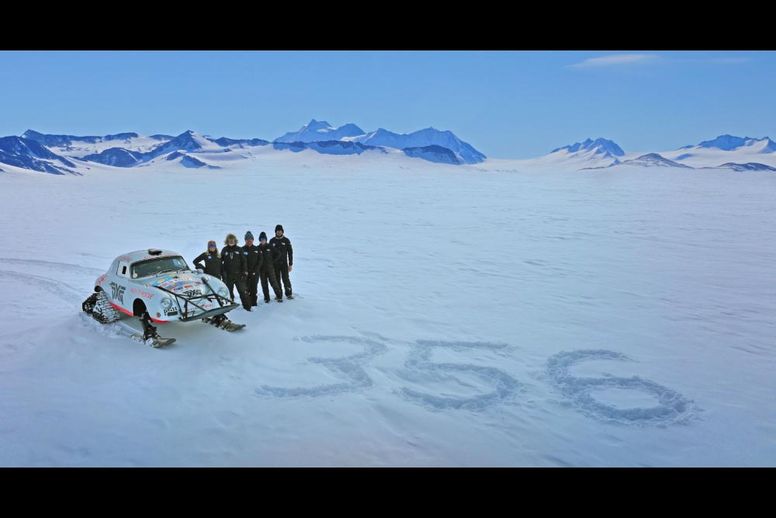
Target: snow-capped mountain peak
<point>598,148</point>
<point>654,160</point>
<point>30,154</point>
<point>732,143</point>
<point>187,141</point>
<point>190,138</point>
<point>317,131</point>
<point>724,142</point>
<point>424,138</point>
<point>646,160</point>
<point>315,125</point>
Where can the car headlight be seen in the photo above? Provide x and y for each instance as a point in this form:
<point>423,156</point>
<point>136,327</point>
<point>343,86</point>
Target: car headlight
<point>223,292</point>
<point>166,303</point>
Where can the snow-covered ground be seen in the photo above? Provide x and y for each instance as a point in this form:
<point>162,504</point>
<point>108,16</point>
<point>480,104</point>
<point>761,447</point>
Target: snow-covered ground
<point>446,315</point>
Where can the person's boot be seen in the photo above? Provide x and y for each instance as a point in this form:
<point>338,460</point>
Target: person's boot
<point>218,320</point>
<point>149,331</point>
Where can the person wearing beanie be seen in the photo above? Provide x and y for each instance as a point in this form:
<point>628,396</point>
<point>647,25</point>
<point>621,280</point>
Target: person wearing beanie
<point>234,270</point>
<point>253,261</point>
<point>282,258</point>
<point>212,260</point>
<point>267,270</point>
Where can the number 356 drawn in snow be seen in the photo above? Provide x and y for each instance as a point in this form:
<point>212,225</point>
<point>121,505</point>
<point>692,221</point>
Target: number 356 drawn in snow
<point>418,368</point>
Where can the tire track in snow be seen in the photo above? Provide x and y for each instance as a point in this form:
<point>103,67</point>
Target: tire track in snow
<point>52,264</point>
<point>54,286</point>
<point>69,294</point>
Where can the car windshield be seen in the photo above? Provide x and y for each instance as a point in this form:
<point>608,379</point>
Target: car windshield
<point>154,266</point>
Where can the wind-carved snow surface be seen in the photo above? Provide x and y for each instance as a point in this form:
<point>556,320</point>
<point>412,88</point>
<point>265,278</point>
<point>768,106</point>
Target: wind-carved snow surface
<point>444,315</point>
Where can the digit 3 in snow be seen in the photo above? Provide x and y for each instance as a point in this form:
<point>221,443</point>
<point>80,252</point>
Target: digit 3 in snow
<point>349,368</point>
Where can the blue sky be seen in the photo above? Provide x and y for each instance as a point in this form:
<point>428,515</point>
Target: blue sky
<point>507,104</point>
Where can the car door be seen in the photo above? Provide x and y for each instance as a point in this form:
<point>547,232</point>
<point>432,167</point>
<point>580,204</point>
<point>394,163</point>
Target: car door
<point>119,284</point>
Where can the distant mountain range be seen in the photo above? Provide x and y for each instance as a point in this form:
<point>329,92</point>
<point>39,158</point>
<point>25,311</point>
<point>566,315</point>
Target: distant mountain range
<point>67,140</point>
<point>419,142</point>
<point>64,154</point>
<point>723,152</point>
<point>69,154</point>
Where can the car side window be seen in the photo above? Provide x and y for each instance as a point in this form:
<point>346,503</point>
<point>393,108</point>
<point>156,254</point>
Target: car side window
<point>122,269</point>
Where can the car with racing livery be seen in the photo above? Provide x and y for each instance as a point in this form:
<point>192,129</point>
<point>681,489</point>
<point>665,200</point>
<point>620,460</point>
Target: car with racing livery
<point>158,286</point>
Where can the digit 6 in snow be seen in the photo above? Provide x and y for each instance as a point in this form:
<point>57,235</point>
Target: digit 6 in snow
<point>671,406</point>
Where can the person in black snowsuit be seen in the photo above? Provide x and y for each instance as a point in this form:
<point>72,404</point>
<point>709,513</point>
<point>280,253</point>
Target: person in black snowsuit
<point>282,258</point>
<point>253,262</point>
<point>267,270</point>
<point>212,260</point>
<point>233,269</point>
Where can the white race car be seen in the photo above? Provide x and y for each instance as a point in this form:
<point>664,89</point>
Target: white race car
<point>158,286</point>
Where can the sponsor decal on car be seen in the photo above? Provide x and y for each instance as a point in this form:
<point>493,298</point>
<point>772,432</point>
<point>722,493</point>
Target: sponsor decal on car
<point>118,291</point>
<point>142,293</point>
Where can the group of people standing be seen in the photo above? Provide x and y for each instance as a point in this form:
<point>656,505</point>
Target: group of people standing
<point>244,266</point>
